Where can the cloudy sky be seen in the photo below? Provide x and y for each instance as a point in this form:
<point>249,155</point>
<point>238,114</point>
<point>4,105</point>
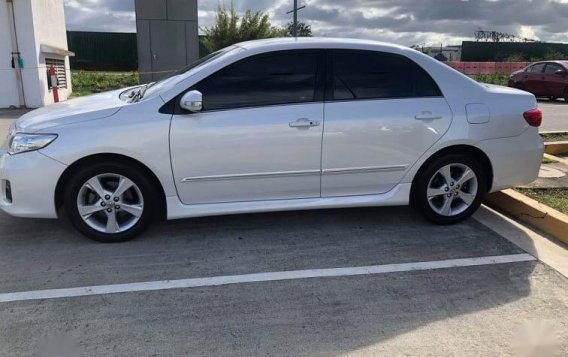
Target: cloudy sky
<point>405,22</point>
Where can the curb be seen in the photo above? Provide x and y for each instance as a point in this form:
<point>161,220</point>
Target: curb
<point>557,147</point>
<point>531,212</point>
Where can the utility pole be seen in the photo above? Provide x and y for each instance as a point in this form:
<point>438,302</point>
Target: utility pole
<point>295,11</point>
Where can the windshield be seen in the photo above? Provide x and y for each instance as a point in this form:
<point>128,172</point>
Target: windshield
<point>176,76</point>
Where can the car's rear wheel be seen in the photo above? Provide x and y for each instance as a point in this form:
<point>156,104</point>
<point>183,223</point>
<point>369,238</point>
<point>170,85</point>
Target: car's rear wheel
<point>110,202</point>
<point>566,95</point>
<point>449,189</point>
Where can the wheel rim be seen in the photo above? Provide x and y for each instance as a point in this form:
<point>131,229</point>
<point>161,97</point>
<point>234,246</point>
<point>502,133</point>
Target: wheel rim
<point>452,189</point>
<point>110,203</point>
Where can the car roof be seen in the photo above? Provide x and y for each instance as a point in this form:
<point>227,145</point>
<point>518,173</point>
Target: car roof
<point>562,62</point>
<point>316,42</point>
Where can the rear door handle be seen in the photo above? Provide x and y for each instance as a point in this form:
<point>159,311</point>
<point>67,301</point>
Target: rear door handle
<point>427,116</point>
<point>303,123</point>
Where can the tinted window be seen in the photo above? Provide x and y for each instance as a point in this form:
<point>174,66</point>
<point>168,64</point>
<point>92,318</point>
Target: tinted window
<point>537,68</point>
<point>262,80</point>
<point>366,75</point>
<point>552,67</point>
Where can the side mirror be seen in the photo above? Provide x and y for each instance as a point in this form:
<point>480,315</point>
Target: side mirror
<point>192,101</point>
<point>561,72</point>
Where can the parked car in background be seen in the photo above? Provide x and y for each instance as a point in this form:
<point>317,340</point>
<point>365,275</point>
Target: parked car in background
<point>543,79</point>
<point>272,125</point>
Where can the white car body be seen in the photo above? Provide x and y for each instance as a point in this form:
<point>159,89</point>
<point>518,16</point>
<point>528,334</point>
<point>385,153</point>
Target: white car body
<point>356,153</point>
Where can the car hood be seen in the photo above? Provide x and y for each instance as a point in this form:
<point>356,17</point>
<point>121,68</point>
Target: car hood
<point>76,110</point>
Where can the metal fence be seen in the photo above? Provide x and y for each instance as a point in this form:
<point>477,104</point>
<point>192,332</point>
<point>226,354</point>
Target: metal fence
<point>487,67</point>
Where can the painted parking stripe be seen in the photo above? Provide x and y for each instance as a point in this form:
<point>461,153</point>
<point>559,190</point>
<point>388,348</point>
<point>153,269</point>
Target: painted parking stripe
<point>260,277</point>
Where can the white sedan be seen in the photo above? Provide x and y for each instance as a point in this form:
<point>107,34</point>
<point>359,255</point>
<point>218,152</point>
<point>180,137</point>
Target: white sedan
<point>272,125</point>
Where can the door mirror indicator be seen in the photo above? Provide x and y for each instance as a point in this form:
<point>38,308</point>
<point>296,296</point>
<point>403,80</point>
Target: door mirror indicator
<point>192,101</point>
<point>561,72</point>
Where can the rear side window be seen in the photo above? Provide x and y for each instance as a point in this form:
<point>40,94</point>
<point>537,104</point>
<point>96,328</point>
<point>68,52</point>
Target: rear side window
<point>552,68</point>
<point>376,75</point>
<point>537,68</point>
<point>279,78</point>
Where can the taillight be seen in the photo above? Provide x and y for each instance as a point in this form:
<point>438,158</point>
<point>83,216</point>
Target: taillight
<point>533,117</point>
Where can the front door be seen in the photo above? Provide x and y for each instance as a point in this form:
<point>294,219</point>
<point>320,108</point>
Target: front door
<point>383,113</point>
<point>258,136</point>
<point>534,79</point>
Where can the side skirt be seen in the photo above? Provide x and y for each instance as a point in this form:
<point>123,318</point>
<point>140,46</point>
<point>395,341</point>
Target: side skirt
<point>398,196</point>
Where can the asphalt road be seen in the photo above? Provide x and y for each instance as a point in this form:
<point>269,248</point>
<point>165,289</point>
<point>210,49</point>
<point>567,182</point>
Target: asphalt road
<point>555,115</point>
<point>487,310</point>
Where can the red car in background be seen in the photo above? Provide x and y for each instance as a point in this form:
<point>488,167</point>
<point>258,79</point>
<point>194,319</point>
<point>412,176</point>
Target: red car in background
<point>543,79</point>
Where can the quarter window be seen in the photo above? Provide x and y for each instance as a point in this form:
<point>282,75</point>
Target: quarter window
<point>279,78</point>
<point>374,75</point>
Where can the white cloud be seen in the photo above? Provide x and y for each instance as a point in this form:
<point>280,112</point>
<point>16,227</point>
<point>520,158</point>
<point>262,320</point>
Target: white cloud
<point>403,21</point>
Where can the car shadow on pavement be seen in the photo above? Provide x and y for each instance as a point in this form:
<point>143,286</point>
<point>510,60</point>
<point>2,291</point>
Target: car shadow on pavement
<point>389,314</point>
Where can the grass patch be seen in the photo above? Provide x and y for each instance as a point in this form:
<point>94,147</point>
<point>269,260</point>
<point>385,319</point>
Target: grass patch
<point>556,198</point>
<point>554,137</point>
<point>546,160</point>
<point>87,82</point>
<point>499,79</point>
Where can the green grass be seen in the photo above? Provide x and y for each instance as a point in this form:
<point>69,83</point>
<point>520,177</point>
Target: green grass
<point>555,137</point>
<point>499,79</point>
<point>546,160</point>
<point>87,82</point>
<point>556,198</point>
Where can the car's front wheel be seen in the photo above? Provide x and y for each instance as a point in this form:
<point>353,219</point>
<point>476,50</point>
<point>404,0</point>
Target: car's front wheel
<point>110,202</point>
<point>449,189</point>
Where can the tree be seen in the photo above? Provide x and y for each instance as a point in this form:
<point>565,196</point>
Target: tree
<point>229,28</point>
<point>304,30</point>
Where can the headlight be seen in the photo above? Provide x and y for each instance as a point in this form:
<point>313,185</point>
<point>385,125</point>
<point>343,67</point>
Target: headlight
<point>20,142</point>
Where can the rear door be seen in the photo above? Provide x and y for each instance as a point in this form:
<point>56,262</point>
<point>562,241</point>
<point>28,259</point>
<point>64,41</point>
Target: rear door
<point>553,84</point>
<point>382,112</point>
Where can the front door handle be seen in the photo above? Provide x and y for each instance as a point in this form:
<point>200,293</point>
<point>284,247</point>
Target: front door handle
<point>427,116</point>
<point>303,123</point>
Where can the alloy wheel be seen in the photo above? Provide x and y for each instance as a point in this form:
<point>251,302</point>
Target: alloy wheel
<point>452,189</point>
<point>110,203</point>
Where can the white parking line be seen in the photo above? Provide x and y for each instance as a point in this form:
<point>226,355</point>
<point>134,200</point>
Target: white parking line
<point>260,277</point>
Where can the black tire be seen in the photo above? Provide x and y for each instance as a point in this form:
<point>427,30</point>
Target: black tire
<point>144,188</point>
<point>419,195</point>
<point>552,99</point>
<point>520,86</point>
<point>566,95</point>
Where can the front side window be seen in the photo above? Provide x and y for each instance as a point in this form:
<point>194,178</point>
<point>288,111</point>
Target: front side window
<point>375,75</point>
<point>537,68</point>
<point>272,79</point>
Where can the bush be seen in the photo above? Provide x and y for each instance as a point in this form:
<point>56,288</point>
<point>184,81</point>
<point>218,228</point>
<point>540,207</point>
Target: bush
<point>87,82</point>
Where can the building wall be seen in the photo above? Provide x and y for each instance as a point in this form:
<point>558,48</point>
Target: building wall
<point>37,22</point>
<point>167,35</point>
<point>8,91</point>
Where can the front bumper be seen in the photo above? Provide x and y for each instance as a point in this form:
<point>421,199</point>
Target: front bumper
<point>33,178</point>
<point>516,160</point>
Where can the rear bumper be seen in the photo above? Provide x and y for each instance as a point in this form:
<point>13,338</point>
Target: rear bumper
<point>516,161</point>
<point>33,178</point>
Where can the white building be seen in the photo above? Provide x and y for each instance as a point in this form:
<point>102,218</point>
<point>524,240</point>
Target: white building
<point>32,38</point>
